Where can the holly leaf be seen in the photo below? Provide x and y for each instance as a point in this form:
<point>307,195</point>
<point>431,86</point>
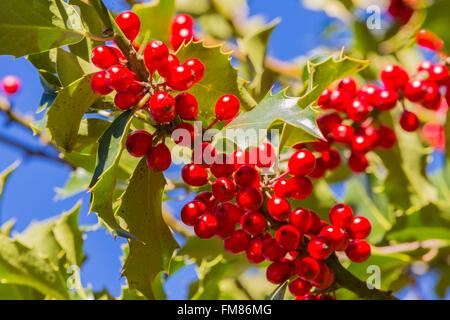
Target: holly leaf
<point>279,292</point>
<point>4,176</point>
<point>71,68</point>
<point>156,17</point>
<point>141,212</point>
<point>220,76</point>
<point>36,26</point>
<point>66,112</point>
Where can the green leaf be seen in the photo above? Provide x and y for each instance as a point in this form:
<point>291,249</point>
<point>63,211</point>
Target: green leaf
<point>36,26</point>
<point>68,109</point>
<point>156,17</point>
<point>4,176</point>
<point>220,76</point>
<point>110,147</point>
<point>279,292</point>
<point>24,266</point>
<point>272,110</point>
<point>141,212</point>
<point>71,68</point>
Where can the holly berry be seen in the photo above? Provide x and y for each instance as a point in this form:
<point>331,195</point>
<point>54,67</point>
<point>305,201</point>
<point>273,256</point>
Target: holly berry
<point>341,215</point>
<point>180,78</point>
<point>11,84</point>
<point>360,144</point>
<point>254,223</point>
<point>98,84</point>
<point>299,287</point>
<point>249,199</point>
<point>339,100</point>
<point>325,278</point>
<point>223,189</point>
<point>281,188</point>
<point>125,100</point>
<point>184,134</point>
<point>265,155</point>
<point>359,227</point>
<point>429,40</point>
<point>409,121</point>
<point>307,268</point>
<point>387,138</point>
<point>138,143</point>
<point>227,107</point>
<point>358,110</point>
<point>278,208</point>
<point>221,166</point>
<point>196,67</point>
<point>104,57</point>
<point>272,251</point>
<point>301,163</point>
<point>358,250</point>
<point>337,236</point>
<point>194,175</point>
<point>331,159</point>
<point>129,23</point>
<point>348,85</point>
<point>394,77</point>
<point>119,77</point>
<point>237,242</point>
<point>304,220</point>
<point>192,211</point>
<point>300,188</point>
<point>162,107</point>
<point>181,21</point>
<point>385,99</point>
<point>186,106</point>
<point>181,36</point>
<point>278,272</point>
<point>415,91</point>
<point>247,176</point>
<point>206,226</point>
<point>229,210</point>
<point>320,248</point>
<point>254,251</point>
<point>343,133</point>
<point>288,237</point>
<point>439,73</point>
<point>156,56</point>
<point>319,169</point>
<point>358,162</point>
<point>159,158</point>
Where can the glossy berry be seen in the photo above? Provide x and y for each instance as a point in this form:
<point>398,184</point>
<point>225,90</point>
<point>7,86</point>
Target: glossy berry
<point>227,107</point>
<point>265,155</point>
<point>184,134</point>
<point>358,110</point>
<point>125,100</point>
<point>182,21</point>
<point>254,223</point>
<point>11,84</point>
<point>429,40</point>
<point>348,85</point>
<point>337,236</point>
<point>98,84</point>
<point>359,228</point>
<point>166,65</point>
<point>299,287</point>
<point>278,272</point>
<point>180,78</point>
<point>394,77</point>
<point>341,215</point>
<point>281,188</point>
<point>415,91</point>
<point>299,187</point>
<point>409,121</point>
<point>162,107</point>
<point>247,176</point>
<point>207,198</point>
<point>229,210</point>
<point>249,199</point>
<point>119,77</point>
<point>129,23</point>
<point>369,93</point>
<point>206,226</point>
<point>358,250</point>
<point>343,133</point>
<point>325,278</point>
<point>360,144</point>
<point>191,211</point>
<point>288,237</point>
<point>331,159</point>
<point>181,36</point>
<point>339,100</point>
<point>186,106</point>
<point>301,163</point>
<point>304,220</point>
<point>385,99</point>
<point>138,143</point>
<point>194,175</point>
<point>324,99</point>
<point>237,242</point>
<point>387,138</point>
<point>278,208</point>
<point>272,251</point>
<point>104,57</point>
<point>358,162</point>
<point>327,122</point>
<point>222,166</point>
<point>159,158</point>
<point>223,189</point>
<point>320,248</point>
<point>307,268</point>
<point>156,55</point>
<point>254,251</point>
<point>439,73</point>
<point>196,67</point>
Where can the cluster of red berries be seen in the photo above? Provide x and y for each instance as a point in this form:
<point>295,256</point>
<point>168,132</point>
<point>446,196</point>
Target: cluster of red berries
<point>11,84</point>
<point>254,216</point>
<point>181,30</point>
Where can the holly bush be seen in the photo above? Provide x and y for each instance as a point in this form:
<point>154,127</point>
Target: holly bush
<point>306,179</point>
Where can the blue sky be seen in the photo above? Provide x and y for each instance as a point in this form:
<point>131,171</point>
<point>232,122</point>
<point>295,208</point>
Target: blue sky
<point>30,193</point>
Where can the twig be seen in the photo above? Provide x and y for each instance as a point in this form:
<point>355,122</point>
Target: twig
<point>244,290</point>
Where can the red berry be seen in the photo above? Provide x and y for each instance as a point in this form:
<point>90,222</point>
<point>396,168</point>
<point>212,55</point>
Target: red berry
<point>186,106</point>
<point>181,36</point>
<point>166,65</point>
<point>104,57</point>
<point>159,158</point>
<point>341,215</point>
<point>415,91</point>
<point>439,73</point>
<point>156,55</point>
<point>339,100</point>
<point>272,251</point>
<point>129,23</point>
<point>371,134</point>
<point>360,144</point>
<point>425,66</point>
<point>304,220</point>
<point>278,208</point>
<point>240,158</point>
<point>206,226</point>
<point>254,223</point>
<point>196,67</point>
<point>247,176</point>
<point>223,189</point>
<point>385,99</point>
<point>358,162</point>
<point>208,199</point>
<point>180,78</point>
<point>307,268</point>
<point>324,99</point>
<point>230,211</point>
<point>125,100</point>
<point>325,278</point>
<point>343,133</point>
<point>359,228</point>
<point>358,110</point>
<point>182,21</point>
<point>119,77</point>
<point>138,143</point>
<point>281,188</point>
<point>204,154</point>
<point>227,107</point>
<point>348,85</point>
<point>237,242</point>
<point>331,159</point>
<point>301,163</point>
<point>265,155</point>
<point>358,250</point>
<point>337,236</point>
<point>184,134</point>
<point>394,77</point>
<point>432,97</point>
<point>319,169</point>
<point>98,84</point>
<point>249,199</point>
<point>162,107</point>
<point>278,272</point>
<point>194,175</point>
<point>254,251</point>
<point>369,93</point>
<point>222,166</point>
<point>387,138</point>
<point>327,122</point>
<point>288,237</point>
<point>429,40</point>
<point>192,211</point>
<point>226,227</point>
<point>11,84</point>
<point>299,287</point>
<point>300,187</point>
<point>320,248</point>
<point>409,121</point>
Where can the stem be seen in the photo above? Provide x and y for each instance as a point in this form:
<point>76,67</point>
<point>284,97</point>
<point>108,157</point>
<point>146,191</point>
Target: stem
<point>242,288</point>
<point>348,281</point>
<point>135,63</point>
